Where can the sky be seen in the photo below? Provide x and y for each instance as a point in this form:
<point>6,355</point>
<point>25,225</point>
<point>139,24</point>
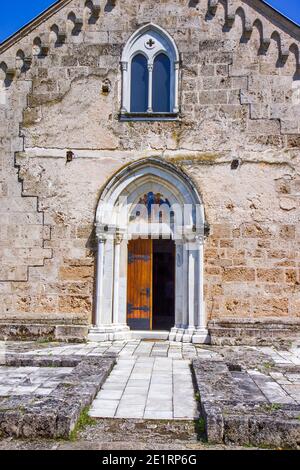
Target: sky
<point>16,13</point>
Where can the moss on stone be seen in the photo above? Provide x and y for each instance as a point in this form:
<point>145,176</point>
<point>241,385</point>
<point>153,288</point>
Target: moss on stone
<point>205,157</point>
<point>83,421</point>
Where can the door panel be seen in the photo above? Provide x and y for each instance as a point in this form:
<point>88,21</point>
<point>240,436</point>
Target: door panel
<point>139,295</point>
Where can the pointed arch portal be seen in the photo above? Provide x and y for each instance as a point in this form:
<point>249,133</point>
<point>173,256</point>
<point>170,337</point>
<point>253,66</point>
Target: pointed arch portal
<point>150,229</point>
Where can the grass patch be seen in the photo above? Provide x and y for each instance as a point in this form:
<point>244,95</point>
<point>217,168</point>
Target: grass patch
<point>84,420</point>
<point>67,385</point>
<point>201,425</point>
<point>272,407</point>
<point>200,429</point>
<point>44,340</point>
<point>267,365</point>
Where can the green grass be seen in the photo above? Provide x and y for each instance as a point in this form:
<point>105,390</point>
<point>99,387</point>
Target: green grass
<point>43,340</point>
<point>201,425</point>
<point>84,420</point>
<point>272,407</point>
<point>267,365</point>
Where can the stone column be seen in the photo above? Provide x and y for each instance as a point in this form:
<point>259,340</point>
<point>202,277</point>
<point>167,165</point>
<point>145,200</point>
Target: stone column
<point>178,284</point>
<point>124,66</point>
<point>150,69</point>
<point>177,331</point>
<point>190,297</point>
<point>117,253</point>
<point>99,280</point>
<point>107,322</point>
<point>201,334</point>
<point>176,96</point>
<point>201,319</point>
<point>185,319</point>
<point>191,287</point>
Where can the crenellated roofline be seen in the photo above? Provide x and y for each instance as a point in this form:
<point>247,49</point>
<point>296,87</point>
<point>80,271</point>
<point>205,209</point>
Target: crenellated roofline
<point>29,27</point>
<point>255,14</point>
<point>285,23</point>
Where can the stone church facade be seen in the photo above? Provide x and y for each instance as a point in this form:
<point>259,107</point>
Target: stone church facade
<point>110,105</point>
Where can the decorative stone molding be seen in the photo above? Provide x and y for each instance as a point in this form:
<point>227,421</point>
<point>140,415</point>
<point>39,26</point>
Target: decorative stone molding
<point>96,8</point>
<point>212,6</point>
<point>249,12</point>
<point>190,320</point>
<point>160,42</point>
<point>10,73</point>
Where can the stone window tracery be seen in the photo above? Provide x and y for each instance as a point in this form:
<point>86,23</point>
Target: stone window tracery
<point>150,74</point>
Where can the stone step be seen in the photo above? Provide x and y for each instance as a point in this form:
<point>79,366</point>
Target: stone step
<point>142,429</point>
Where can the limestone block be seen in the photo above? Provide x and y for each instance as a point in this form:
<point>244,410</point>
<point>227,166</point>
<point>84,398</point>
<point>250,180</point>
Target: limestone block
<point>239,274</point>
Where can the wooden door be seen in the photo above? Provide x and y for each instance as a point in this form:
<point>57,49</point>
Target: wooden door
<point>139,278</point>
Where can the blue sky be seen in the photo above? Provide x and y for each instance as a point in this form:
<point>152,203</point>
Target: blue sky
<point>16,13</point>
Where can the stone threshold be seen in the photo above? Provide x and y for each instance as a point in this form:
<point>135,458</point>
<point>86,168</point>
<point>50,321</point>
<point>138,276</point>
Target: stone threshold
<point>133,429</point>
<point>56,416</point>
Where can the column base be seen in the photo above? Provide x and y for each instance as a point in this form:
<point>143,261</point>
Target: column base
<point>109,333</point>
<point>190,335</point>
<point>201,336</point>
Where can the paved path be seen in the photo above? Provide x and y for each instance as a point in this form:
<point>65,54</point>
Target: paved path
<point>41,381</point>
<point>148,388</point>
<point>131,348</point>
<point>152,378</point>
<point>136,348</point>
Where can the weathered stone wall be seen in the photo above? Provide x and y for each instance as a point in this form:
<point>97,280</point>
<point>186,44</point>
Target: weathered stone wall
<point>239,98</point>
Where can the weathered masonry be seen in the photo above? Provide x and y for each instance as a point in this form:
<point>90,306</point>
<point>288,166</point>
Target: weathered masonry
<point>113,112</point>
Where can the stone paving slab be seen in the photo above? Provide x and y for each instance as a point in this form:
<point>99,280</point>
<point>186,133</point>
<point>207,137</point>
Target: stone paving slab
<point>31,380</point>
<point>244,390</point>
<point>131,348</point>
<point>137,348</point>
<point>32,415</point>
<point>247,406</point>
<point>147,388</point>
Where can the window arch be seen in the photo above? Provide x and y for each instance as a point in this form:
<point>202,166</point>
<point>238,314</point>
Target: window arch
<point>150,65</point>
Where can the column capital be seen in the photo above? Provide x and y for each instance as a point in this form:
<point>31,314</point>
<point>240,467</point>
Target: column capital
<point>118,238</point>
<point>124,66</point>
<point>199,239</point>
<point>193,240</point>
<point>101,237</point>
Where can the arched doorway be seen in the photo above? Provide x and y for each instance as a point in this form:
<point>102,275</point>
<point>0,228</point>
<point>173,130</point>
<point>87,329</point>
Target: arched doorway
<point>150,230</point>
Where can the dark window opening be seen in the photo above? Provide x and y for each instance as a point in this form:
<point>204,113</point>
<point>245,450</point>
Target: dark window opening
<point>139,84</point>
<point>163,284</point>
<point>161,84</point>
